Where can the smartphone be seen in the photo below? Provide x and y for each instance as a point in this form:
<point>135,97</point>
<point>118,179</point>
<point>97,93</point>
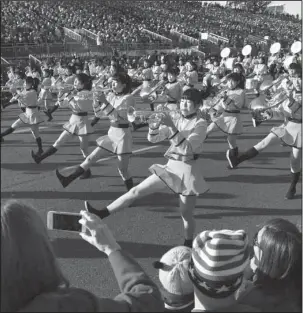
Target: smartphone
<point>65,221</point>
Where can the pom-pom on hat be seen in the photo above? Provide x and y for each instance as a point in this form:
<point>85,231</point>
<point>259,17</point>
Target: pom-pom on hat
<point>218,262</point>
<point>177,288</point>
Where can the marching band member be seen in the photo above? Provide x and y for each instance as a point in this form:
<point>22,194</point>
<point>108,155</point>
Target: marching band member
<point>247,62</point>
<point>181,66</point>
<point>119,138</point>
<point>45,93</point>
<point>238,68</point>
<point>31,117</point>
<point>15,84</point>
<point>11,73</point>
<point>33,72</point>
<point>231,102</point>
<point>213,76</point>
<point>289,133</point>
<point>183,172</point>
<point>260,69</point>
<point>78,124</point>
<point>164,74</point>
<point>172,90</point>
<point>146,76</point>
<point>157,70</point>
<point>191,76</point>
<point>68,80</point>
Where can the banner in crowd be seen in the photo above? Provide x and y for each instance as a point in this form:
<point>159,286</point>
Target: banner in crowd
<point>72,34</point>
<point>192,40</point>
<point>3,61</point>
<point>89,34</point>
<point>213,38</point>
<point>155,35</point>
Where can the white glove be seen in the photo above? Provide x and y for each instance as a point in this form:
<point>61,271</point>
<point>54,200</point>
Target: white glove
<point>100,235</point>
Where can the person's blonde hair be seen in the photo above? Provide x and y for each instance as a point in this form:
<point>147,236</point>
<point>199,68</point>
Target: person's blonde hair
<point>28,263</point>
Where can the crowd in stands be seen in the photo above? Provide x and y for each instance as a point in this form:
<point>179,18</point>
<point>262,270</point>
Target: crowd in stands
<point>40,22</point>
<point>259,274</point>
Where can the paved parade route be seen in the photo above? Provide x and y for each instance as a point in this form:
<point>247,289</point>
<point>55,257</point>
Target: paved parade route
<point>238,199</point>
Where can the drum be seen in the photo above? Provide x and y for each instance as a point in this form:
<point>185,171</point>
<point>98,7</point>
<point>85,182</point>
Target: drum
<point>275,47</point>
<point>230,62</point>
<point>289,59</point>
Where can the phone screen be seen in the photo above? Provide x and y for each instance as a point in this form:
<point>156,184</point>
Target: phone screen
<point>68,222</point>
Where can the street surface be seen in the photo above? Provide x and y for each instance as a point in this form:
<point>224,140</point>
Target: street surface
<point>243,198</point>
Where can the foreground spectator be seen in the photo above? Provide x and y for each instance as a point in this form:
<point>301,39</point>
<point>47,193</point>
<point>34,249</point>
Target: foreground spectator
<point>276,284</point>
<point>177,289</point>
<point>31,280</point>
<point>219,259</point>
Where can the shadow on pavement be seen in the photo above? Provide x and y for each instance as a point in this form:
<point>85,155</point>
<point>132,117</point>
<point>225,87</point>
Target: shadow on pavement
<point>42,167</point>
<point>155,199</point>
<point>78,248</point>
<point>251,179</point>
<point>243,212</point>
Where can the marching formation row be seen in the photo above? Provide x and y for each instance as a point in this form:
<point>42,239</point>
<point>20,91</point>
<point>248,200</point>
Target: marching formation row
<point>187,112</point>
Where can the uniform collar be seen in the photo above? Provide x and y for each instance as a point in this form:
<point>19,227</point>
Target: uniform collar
<point>190,116</point>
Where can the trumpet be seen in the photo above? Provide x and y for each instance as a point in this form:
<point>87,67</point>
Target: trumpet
<point>147,92</point>
<point>151,117</point>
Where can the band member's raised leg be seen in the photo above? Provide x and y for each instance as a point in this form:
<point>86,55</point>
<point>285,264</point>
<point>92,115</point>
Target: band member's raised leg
<point>148,186</point>
<point>11,129</point>
<point>52,149</point>
<point>80,170</point>
<point>269,140</point>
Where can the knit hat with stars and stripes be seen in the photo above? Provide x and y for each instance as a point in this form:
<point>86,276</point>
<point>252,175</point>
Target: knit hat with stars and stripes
<point>218,261</point>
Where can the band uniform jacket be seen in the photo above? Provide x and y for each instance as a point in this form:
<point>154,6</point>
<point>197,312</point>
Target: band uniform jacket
<point>183,173</point>
<point>230,120</point>
<point>119,138</point>
<point>80,104</point>
<point>290,132</point>
<point>29,100</point>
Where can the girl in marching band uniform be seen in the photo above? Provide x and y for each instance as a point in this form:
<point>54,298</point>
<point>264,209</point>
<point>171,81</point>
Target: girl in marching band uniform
<point>181,66</point>
<point>183,173</point>
<point>15,84</point>
<point>31,117</point>
<point>45,93</point>
<point>164,74</point>
<point>119,138</point>
<point>68,82</point>
<point>157,71</point>
<point>172,90</point>
<point>78,124</point>
<point>289,133</point>
<point>191,76</point>
<point>260,70</point>
<point>231,102</point>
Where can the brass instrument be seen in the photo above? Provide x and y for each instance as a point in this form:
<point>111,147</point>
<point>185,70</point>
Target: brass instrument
<point>148,92</point>
<point>258,107</point>
<point>151,117</point>
<point>266,85</point>
<point>206,110</point>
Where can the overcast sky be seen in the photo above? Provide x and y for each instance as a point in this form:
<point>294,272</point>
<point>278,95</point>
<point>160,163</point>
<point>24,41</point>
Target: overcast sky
<point>291,7</point>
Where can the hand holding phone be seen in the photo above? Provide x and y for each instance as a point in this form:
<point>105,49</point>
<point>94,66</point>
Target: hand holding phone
<point>101,237</point>
<point>64,221</point>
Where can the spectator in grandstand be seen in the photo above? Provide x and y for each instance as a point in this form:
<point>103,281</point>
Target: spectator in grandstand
<point>32,281</point>
<point>276,282</point>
